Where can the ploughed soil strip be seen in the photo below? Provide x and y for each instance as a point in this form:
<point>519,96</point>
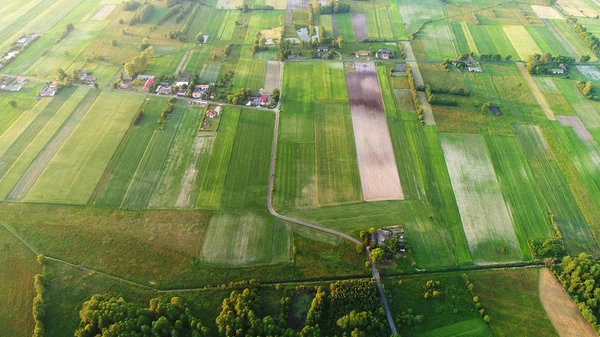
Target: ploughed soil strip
<point>562,311</point>
<point>334,27</point>
<point>359,24</point>
<point>273,76</point>
<point>376,162</point>
<point>577,125</point>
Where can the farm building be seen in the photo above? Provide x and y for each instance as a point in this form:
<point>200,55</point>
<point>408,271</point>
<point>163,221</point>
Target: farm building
<point>263,100</point>
<point>148,84</point>
<point>183,79</point>
<point>495,111</point>
<point>385,54</point>
<point>323,49</point>
<point>198,102</point>
<point>182,92</point>
<point>163,90</point>
<point>145,77</point>
<point>383,235</point>
<point>21,80</point>
<point>558,71</point>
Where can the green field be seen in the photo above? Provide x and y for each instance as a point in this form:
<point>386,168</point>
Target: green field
<point>555,190</point>
<point>437,41</point>
<point>74,172</point>
<point>522,41</point>
<point>486,220</point>
<point>378,24</point>
<point>242,239</point>
<point>345,30</point>
<point>471,328</point>
<point>12,168</point>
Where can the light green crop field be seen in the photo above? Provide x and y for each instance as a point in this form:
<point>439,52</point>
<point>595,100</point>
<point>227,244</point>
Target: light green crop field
<point>555,190</point>
<point>471,328</point>
<point>345,30</point>
<point>11,170</point>
<point>151,165</point>
<point>509,295</point>
<point>243,239</point>
<point>546,41</point>
<point>572,38</point>
<point>486,220</point>
<point>73,173</point>
<point>19,263</point>
<point>415,13</point>
<point>378,24</point>
<point>522,41</point>
<point>112,188</point>
<point>437,41</point>
<point>20,125</point>
<point>484,41</point>
<point>526,203</point>
<point>337,167</point>
<point>297,179</point>
<point>397,21</point>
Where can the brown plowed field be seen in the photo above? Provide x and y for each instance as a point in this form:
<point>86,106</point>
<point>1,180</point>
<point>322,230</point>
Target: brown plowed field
<point>562,311</point>
<point>359,24</point>
<point>376,162</point>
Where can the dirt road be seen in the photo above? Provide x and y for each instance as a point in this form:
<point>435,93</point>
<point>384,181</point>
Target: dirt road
<point>539,97</point>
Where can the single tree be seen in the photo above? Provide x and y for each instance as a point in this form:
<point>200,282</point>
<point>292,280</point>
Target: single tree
<point>13,103</point>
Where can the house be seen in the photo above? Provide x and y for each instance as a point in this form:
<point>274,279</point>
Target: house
<point>148,84</point>
<point>218,109</point>
<point>263,100</point>
<point>558,71</point>
<point>211,114</point>
<point>323,49</point>
<point>182,92</point>
<point>475,69</point>
<point>364,52</point>
<point>82,75</point>
<point>385,54</point>
<point>21,80</point>
<point>183,79</point>
<point>199,90</point>
<point>49,90</point>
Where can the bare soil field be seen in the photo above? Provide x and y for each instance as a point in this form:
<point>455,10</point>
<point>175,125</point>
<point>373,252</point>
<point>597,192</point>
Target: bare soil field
<point>562,311</point>
<point>545,12</point>
<point>273,78</point>
<point>222,4</point>
<point>577,125</point>
<point>288,17</point>
<point>359,24</point>
<point>376,162</point>
<point>334,27</point>
<point>539,97</point>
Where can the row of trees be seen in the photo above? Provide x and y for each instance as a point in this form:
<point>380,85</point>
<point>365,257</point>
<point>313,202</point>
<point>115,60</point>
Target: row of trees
<point>580,276</point>
<point>39,306</point>
<point>477,305</point>
<point>413,91</point>
<point>590,39</point>
<point>116,317</point>
<point>139,63</point>
<point>130,5</point>
<point>433,99</point>
<point>177,10</point>
<point>552,247</point>
<point>142,14</point>
<point>334,7</point>
<point>69,28</point>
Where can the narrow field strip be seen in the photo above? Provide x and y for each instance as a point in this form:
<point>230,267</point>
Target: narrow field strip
<point>522,41</point>
<point>211,186</point>
<point>485,217</point>
<point>469,37</point>
<point>73,173</point>
<point>14,173</point>
<point>15,130</point>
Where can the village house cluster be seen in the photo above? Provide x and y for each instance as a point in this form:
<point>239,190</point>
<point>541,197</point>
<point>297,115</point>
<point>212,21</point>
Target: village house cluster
<point>17,48</point>
<point>12,84</point>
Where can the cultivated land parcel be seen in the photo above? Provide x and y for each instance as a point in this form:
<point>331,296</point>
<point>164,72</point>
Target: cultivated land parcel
<point>418,114</point>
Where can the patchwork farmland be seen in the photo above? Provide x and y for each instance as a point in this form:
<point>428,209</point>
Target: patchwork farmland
<point>280,153</point>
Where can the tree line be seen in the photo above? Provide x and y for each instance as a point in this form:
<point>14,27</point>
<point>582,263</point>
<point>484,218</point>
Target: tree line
<point>413,91</point>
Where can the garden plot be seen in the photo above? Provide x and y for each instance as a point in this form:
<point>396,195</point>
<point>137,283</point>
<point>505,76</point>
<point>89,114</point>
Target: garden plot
<point>296,4</point>
<point>546,12</point>
<point>522,41</point>
<point>485,217</point>
<point>590,72</point>
<point>244,239</point>
<point>273,78</point>
<point>359,25</point>
<point>376,161</point>
<point>210,73</point>
<point>104,12</point>
<point>73,173</point>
